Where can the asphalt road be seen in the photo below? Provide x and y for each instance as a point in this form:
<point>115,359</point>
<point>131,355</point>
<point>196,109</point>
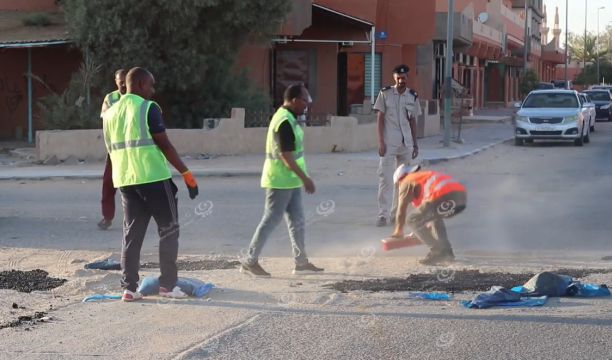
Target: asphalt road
<point>547,196</point>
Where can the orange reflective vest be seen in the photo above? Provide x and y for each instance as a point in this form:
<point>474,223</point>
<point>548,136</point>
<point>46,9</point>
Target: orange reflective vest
<point>433,185</point>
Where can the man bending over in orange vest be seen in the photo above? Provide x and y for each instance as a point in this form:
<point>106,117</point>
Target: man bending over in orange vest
<point>435,196</point>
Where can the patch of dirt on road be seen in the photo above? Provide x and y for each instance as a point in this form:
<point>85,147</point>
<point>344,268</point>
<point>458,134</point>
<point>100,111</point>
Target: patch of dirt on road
<point>451,281</point>
<point>38,316</point>
<point>28,281</point>
<point>195,265</point>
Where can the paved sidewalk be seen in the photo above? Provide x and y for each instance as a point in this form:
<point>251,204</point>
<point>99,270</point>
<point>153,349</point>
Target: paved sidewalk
<point>476,138</point>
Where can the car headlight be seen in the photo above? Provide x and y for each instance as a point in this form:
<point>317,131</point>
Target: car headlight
<point>605,107</point>
<point>522,118</point>
<point>570,119</point>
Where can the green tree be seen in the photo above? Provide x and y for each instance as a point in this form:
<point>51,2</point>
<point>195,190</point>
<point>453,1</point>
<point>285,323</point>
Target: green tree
<point>589,75</point>
<point>529,81</point>
<point>576,46</point>
<point>189,45</point>
<point>605,42</point>
<point>71,108</point>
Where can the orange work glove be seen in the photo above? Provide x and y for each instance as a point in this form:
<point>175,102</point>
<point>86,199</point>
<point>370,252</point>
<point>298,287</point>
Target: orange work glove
<point>192,185</point>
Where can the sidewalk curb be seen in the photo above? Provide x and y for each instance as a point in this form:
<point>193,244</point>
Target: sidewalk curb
<point>230,172</point>
<point>462,156</point>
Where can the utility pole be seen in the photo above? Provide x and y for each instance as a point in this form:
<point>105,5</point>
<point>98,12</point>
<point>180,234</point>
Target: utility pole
<point>448,73</point>
<point>586,2</point>
<point>526,41</point>
<point>597,42</point>
<point>566,20</point>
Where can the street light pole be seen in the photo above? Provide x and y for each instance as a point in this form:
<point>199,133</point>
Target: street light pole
<point>525,47</point>
<point>566,60</point>
<point>597,42</point>
<point>586,2</point>
<point>448,73</point>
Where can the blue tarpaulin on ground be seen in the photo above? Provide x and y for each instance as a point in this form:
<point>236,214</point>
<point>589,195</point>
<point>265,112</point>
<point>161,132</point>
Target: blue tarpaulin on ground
<point>499,296</point>
<point>429,296</point>
<point>536,291</point>
<point>191,287</point>
<point>108,264</point>
<point>100,297</point>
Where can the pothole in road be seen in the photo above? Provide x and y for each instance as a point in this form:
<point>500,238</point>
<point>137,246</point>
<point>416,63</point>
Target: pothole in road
<point>452,281</point>
<point>195,265</point>
<point>28,281</point>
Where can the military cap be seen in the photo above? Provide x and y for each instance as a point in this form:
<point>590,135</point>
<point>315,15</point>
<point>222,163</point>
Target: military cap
<point>401,69</point>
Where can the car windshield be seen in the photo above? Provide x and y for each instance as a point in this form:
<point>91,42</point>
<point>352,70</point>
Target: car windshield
<point>551,100</point>
<point>599,95</point>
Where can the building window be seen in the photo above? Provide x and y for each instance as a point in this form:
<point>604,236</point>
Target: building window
<point>377,74</point>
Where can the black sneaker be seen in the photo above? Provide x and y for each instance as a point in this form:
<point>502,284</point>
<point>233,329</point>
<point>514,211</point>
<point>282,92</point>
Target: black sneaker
<point>306,269</point>
<point>381,222</point>
<point>105,224</point>
<point>255,270</point>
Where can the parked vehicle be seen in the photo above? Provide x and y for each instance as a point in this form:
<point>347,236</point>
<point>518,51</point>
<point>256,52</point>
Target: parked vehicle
<point>587,103</point>
<point>562,84</point>
<point>603,103</point>
<point>544,86</point>
<point>552,115</point>
<point>602,87</point>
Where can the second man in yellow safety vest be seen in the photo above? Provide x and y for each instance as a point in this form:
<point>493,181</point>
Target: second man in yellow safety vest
<point>108,190</point>
<point>284,174</point>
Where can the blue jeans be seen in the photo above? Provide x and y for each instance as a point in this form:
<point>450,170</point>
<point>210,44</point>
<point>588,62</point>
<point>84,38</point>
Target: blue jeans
<point>279,202</point>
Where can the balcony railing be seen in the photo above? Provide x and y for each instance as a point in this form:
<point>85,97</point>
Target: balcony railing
<point>462,29</point>
<point>512,16</point>
<point>487,32</point>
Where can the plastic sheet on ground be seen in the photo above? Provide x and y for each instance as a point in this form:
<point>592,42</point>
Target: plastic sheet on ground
<point>499,296</point>
<point>429,296</point>
<point>108,264</point>
<point>101,297</point>
<point>191,287</point>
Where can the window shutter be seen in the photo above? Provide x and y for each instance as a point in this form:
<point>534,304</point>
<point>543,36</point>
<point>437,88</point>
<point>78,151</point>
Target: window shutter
<point>377,73</point>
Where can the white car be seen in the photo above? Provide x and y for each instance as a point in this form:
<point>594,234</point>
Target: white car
<point>587,103</point>
<point>552,115</point>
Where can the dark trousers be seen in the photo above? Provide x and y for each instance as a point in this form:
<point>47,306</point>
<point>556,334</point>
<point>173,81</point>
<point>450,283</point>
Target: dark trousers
<point>434,212</point>
<point>140,203</point>
<point>108,191</point>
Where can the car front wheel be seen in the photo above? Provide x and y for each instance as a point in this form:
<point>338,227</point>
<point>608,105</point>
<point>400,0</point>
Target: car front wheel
<point>580,141</point>
<point>518,142</point>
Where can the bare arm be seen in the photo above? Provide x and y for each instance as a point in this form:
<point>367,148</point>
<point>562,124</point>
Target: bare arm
<point>104,107</point>
<point>163,142</point>
<point>413,132</point>
<point>289,162</point>
<point>404,198</point>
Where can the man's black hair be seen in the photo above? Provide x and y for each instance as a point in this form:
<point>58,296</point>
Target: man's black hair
<point>293,91</point>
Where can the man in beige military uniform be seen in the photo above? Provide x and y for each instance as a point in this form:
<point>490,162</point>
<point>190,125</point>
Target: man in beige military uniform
<point>397,108</point>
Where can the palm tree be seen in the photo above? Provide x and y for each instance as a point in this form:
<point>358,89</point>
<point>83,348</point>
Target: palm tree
<point>576,47</point>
